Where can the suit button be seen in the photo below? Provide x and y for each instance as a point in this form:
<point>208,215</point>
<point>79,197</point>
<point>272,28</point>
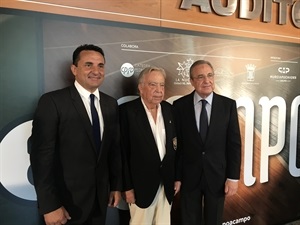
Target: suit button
<point>203,153</point>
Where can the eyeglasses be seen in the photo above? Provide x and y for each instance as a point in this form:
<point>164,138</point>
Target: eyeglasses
<point>202,77</point>
<point>154,85</point>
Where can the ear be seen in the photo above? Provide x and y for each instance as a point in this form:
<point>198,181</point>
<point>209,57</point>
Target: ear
<point>140,88</point>
<point>192,82</point>
<point>74,69</point>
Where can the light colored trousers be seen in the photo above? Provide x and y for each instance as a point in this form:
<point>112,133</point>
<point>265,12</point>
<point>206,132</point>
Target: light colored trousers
<point>158,213</point>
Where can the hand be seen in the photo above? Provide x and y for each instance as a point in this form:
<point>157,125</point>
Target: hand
<point>129,196</point>
<point>231,187</point>
<point>57,217</point>
<point>177,186</point>
<point>114,198</point>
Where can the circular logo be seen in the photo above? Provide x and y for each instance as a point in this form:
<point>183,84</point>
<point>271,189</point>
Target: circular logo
<point>127,70</point>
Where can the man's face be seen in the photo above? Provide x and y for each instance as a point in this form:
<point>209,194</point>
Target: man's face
<point>89,72</point>
<point>152,88</point>
<point>203,80</point>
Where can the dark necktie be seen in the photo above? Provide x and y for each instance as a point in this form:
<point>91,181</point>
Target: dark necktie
<point>96,123</point>
<point>203,120</point>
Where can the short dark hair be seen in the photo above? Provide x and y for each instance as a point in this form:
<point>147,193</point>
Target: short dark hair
<point>200,62</point>
<point>85,47</point>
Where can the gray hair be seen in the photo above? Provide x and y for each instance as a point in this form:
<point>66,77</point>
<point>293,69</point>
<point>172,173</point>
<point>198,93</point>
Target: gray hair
<point>148,70</point>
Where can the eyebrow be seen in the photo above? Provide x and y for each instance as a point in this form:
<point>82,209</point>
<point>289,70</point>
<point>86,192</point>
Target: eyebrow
<point>88,62</point>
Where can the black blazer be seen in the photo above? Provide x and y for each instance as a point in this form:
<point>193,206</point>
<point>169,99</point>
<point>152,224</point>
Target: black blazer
<point>65,168</point>
<point>143,169</point>
<point>219,157</point>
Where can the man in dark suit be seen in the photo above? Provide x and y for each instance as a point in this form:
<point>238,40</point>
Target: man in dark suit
<point>210,156</point>
<point>149,142</point>
<point>77,173</point>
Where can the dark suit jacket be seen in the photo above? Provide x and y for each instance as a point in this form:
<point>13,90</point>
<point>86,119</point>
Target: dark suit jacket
<point>65,168</point>
<point>219,157</point>
<point>143,170</point>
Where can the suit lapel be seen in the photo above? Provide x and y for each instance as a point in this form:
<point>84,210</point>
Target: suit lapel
<point>105,109</point>
<point>215,117</point>
<point>145,128</point>
<point>168,122</point>
<point>143,122</point>
<point>79,106</point>
<point>190,114</point>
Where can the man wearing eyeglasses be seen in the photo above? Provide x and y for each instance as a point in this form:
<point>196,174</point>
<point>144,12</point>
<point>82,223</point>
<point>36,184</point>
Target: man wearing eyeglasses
<point>209,148</point>
<point>148,141</point>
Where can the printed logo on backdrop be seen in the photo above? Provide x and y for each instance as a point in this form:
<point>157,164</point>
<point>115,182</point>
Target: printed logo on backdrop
<point>283,72</point>
<point>283,75</point>
<point>128,70</point>
<point>222,72</point>
<point>15,170</point>
<point>250,74</point>
<point>183,76</point>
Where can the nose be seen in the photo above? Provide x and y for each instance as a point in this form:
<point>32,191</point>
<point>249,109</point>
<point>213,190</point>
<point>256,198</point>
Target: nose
<point>96,70</point>
<point>205,78</point>
<point>159,88</point>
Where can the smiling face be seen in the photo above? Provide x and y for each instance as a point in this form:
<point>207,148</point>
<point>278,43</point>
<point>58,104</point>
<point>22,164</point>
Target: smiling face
<point>89,71</point>
<point>152,88</point>
<point>202,79</point>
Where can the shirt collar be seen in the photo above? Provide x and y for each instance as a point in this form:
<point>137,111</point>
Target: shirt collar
<point>197,98</point>
<point>85,93</point>
<point>147,110</point>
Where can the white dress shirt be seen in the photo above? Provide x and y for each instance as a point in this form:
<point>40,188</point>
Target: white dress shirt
<point>85,96</point>
<point>158,130</point>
